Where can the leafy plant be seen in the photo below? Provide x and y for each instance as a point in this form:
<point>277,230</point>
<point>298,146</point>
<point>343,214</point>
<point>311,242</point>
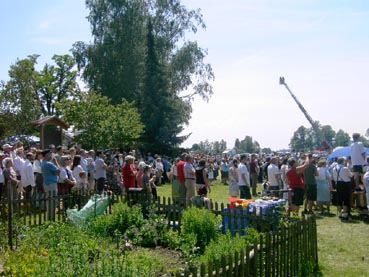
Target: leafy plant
<point>227,244</point>
<point>202,224</point>
<point>151,233</point>
<point>122,218</point>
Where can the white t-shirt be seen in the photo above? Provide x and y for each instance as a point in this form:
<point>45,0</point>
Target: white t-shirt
<point>27,175</point>
<point>242,169</point>
<point>76,171</point>
<point>273,172</point>
<point>37,166</point>
<point>18,164</point>
<point>356,151</point>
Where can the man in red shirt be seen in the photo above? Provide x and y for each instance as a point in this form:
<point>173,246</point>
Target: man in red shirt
<point>129,173</point>
<point>181,179</point>
<point>296,183</point>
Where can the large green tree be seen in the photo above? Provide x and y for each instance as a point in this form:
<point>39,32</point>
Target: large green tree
<point>247,145</point>
<point>303,139</point>
<point>19,106</point>
<point>342,138</point>
<point>210,148</point>
<point>162,111</point>
<point>30,94</point>
<point>136,39</point>
<point>99,124</point>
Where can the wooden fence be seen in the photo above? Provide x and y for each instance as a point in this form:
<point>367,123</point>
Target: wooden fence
<point>281,250</point>
<point>287,251</point>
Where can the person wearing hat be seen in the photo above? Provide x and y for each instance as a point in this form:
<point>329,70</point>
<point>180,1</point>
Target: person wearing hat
<point>146,181</point>
<point>50,173</point>
<point>7,149</point>
<point>129,173</point>
<point>147,185</point>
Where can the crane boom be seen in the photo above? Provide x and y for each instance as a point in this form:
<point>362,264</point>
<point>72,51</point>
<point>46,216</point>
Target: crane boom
<point>308,117</point>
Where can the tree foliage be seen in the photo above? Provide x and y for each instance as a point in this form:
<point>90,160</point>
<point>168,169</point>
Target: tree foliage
<point>341,139</point>
<point>163,113</point>
<point>306,139</point>
<point>101,124</point>
<point>19,106</point>
<point>30,94</point>
<point>247,145</point>
<point>140,53</point>
<point>210,148</point>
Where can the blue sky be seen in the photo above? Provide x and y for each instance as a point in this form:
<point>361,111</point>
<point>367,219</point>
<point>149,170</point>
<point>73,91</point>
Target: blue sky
<point>321,47</point>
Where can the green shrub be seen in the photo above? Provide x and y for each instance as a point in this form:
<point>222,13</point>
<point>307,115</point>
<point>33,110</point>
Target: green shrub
<point>151,233</point>
<point>202,224</point>
<point>122,218</point>
<point>227,244</point>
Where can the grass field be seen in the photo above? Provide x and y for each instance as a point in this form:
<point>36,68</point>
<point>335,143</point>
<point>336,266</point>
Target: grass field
<point>343,245</point>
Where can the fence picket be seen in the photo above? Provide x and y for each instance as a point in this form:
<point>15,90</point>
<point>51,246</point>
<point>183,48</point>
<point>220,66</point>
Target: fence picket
<point>280,252</point>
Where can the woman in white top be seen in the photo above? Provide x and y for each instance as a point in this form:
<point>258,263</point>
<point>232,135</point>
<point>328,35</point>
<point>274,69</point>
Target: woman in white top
<point>76,170</point>
<point>324,185</point>
<point>233,179</point>
<point>66,179</point>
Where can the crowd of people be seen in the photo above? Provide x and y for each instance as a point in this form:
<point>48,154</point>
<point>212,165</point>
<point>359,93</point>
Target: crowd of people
<point>307,180</point>
<point>302,179</point>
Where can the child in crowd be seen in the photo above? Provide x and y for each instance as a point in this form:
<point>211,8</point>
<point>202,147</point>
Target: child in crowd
<point>201,200</point>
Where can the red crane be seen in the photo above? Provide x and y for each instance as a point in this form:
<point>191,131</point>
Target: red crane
<point>315,126</point>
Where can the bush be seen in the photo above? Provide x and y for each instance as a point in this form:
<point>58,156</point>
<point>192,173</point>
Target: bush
<point>122,218</point>
<point>151,233</point>
<point>227,244</point>
<point>201,224</point>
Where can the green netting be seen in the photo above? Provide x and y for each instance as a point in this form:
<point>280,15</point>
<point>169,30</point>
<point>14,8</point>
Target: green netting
<point>94,207</point>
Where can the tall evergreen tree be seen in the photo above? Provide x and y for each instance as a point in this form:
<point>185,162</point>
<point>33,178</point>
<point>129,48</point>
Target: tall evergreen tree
<point>119,61</point>
<point>163,113</point>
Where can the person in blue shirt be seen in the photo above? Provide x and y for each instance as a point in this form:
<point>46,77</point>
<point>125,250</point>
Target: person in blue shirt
<point>50,173</point>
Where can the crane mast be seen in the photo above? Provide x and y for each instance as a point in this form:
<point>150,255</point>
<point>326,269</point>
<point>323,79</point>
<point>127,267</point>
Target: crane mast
<point>308,117</point>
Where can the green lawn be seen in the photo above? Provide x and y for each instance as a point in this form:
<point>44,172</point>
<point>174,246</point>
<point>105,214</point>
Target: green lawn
<point>343,246</point>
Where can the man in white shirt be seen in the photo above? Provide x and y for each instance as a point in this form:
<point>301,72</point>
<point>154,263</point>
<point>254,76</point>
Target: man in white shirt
<point>244,178</point>
<point>273,176</point>
<point>357,152</point>
<point>28,177</point>
<point>342,176</point>
<point>18,162</point>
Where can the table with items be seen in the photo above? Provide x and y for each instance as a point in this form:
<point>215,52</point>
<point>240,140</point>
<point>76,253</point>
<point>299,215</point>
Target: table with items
<point>240,213</point>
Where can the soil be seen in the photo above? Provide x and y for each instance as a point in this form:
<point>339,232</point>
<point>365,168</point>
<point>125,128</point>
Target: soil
<point>172,259</point>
